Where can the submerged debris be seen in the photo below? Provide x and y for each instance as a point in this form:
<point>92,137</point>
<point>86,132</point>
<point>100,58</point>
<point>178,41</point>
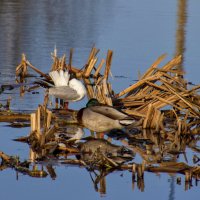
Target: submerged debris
<point>22,167</point>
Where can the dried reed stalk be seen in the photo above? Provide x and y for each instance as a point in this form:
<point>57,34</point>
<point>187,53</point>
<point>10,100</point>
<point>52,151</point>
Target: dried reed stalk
<point>37,70</point>
<point>90,67</point>
<point>108,64</point>
<point>70,58</point>
<point>21,69</point>
<point>154,65</point>
<point>89,88</point>
<point>136,85</point>
<point>99,68</point>
<point>106,94</point>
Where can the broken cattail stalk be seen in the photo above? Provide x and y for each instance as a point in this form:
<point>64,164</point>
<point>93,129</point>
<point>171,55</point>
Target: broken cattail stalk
<point>149,116</point>
<point>38,116</point>
<point>89,87</point>
<point>108,64</point>
<point>37,70</point>
<point>92,54</point>
<point>188,176</point>
<point>90,67</point>
<point>34,125</point>
<point>140,171</point>
<point>55,64</point>
<point>4,156</point>
<point>183,99</point>
<point>136,85</point>
<point>106,94</point>
<point>165,101</point>
<point>172,71</point>
<point>133,172</point>
<point>33,122</point>
<point>102,186</point>
<point>62,62</point>
<point>18,69</point>
<point>154,65</point>
<point>21,69</point>
<point>70,58</point>
<point>99,95</point>
<point>32,155</point>
<point>174,62</point>
<point>49,117</point>
<point>134,113</point>
<point>99,68</point>
<point>49,134</point>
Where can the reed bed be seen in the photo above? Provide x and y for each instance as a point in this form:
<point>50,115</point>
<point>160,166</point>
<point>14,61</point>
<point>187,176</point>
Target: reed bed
<point>161,99</point>
<point>160,93</point>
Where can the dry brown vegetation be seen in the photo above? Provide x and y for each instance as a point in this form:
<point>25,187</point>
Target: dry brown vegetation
<point>161,99</point>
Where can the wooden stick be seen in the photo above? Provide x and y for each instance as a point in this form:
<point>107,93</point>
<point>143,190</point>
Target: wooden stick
<point>166,103</point>
<point>148,118</point>
<point>63,62</point>
<point>136,85</point>
<point>99,68</point>
<point>134,113</point>
<point>33,122</point>
<point>174,62</point>
<point>108,63</point>
<point>89,87</point>
<point>38,114</point>
<point>154,65</point>
<point>92,54</point>
<point>106,93</point>
<point>49,116</point>
<point>70,58</point>
<point>8,117</point>
<point>37,70</point>
<point>90,67</point>
<point>184,100</point>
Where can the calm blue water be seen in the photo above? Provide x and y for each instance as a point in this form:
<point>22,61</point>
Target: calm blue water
<point>137,31</point>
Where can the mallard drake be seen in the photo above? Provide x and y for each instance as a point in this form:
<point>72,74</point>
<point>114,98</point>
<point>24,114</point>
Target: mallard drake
<point>102,118</point>
<point>66,88</point>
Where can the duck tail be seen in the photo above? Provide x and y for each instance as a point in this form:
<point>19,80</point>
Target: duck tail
<point>126,122</point>
<point>78,87</point>
<point>60,78</point>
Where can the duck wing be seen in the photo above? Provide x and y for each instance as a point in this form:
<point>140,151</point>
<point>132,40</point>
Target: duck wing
<point>110,112</point>
<point>64,92</point>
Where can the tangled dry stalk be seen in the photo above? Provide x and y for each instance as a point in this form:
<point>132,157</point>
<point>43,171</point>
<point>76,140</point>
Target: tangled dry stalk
<point>167,104</point>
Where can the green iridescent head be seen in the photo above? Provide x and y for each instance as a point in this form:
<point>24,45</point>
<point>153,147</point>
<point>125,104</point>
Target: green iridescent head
<point>92,102</point>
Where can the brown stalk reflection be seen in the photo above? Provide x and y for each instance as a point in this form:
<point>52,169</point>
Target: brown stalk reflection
<point>160,153</point>
<point>180,31</point>
<point>180,50</point>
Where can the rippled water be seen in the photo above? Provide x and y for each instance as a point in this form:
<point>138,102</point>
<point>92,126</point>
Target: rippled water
<point>137,31</point>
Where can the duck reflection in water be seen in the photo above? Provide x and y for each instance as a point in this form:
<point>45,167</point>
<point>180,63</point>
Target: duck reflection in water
<point>101,153</point>
<point>102,158</point>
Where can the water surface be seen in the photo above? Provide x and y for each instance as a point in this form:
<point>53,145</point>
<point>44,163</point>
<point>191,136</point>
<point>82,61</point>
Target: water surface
<point>137,31</point>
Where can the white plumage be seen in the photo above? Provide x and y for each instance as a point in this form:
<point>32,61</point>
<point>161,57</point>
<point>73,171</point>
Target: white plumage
<point>60,78</point>
<point>69,90</point>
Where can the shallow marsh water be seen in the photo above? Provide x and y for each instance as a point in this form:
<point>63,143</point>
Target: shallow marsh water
<point>137,31</point>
